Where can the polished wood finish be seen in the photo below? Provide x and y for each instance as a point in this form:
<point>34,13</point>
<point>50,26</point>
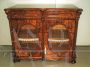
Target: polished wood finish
<point>41,20</point>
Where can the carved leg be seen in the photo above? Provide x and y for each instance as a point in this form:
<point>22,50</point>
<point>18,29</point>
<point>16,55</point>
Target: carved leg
<point>73,60</point>
<point>15,58</point>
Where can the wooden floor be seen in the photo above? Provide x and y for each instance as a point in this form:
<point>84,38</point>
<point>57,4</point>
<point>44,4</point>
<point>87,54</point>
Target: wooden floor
<point>83,59</point>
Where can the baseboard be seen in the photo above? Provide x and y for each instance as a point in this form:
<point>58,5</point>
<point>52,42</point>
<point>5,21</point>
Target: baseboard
<point>83,45</point>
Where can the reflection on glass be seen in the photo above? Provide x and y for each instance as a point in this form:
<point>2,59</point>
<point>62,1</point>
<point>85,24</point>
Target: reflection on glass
<point>28,37</point>
<point>58,35</point>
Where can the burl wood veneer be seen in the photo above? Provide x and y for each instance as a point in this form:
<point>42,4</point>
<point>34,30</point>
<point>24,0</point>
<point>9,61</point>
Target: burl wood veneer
<point>43,31</point>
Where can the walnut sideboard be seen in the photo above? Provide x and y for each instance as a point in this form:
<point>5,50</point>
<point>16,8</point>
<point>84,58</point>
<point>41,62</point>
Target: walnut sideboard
<point>44,32</point>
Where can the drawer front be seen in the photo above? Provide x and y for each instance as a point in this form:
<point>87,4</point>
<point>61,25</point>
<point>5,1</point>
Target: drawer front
<point>60,13</point>
<point>25,14</point>
<point>60,16</point>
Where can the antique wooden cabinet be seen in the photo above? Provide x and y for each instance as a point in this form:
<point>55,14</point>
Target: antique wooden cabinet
<point>47,32</point>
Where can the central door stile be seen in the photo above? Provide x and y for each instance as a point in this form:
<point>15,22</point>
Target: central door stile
<point>43,28</point>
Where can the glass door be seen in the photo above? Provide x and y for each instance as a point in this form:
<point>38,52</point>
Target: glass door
<point>58,42</point>
<point>28,41</point>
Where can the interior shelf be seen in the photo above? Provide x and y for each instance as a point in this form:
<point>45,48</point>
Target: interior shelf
<point>50,39</point>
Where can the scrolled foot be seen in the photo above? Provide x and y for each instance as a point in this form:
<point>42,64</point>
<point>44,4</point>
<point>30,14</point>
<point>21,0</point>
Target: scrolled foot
<point>73,61</point>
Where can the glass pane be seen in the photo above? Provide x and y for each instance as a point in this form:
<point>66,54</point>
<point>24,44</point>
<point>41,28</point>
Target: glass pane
<point>29,40</point>
<point>58,37</point>
<point>28,36</point>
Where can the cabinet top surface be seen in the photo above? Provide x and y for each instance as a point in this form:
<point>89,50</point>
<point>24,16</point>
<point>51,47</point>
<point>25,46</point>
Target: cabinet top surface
<point>69,6</point>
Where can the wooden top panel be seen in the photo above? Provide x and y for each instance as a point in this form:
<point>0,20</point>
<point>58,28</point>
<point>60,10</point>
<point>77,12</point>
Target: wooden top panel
<point>70,6</point>
<point>48,11</point>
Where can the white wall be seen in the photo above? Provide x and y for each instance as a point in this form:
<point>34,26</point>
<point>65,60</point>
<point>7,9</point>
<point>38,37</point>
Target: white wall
<point>83,37</point>
<point>5,38</point>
